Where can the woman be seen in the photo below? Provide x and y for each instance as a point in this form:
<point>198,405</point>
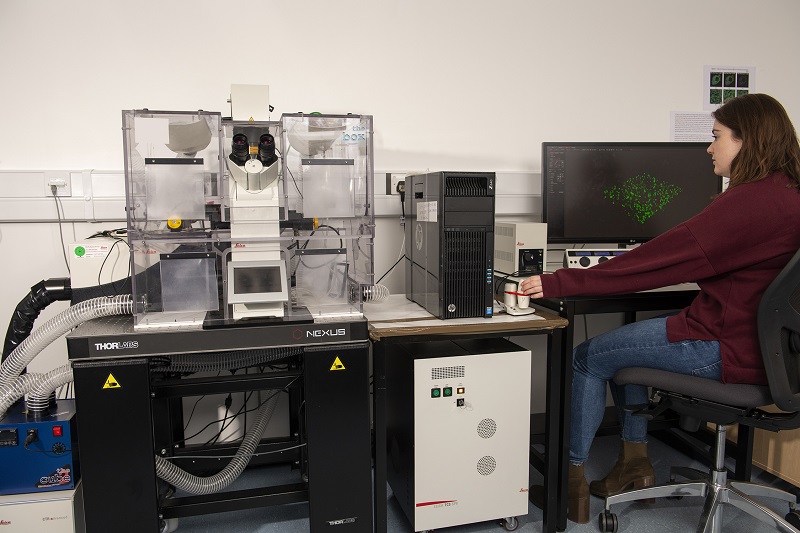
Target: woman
<point>733,250</point>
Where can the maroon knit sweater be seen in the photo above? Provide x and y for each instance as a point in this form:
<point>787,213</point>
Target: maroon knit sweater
<point>733,249</point>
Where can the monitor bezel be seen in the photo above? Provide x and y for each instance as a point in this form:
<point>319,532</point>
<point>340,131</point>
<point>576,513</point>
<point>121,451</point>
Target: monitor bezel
<point>637,144</point>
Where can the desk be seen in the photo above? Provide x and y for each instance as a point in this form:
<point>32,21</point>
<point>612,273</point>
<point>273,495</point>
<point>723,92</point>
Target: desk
<point>400,320</point>
<point>664,299</point>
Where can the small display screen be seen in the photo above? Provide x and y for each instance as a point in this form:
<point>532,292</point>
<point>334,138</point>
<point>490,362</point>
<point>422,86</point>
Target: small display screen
<point>257,280</point>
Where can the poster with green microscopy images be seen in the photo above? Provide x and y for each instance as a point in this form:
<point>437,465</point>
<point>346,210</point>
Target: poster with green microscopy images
<point>724,83</point>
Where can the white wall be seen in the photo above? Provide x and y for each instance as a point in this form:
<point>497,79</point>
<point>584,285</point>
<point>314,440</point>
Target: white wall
<point>452,84</point>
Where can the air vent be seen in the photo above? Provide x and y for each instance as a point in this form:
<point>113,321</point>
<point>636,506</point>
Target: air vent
<point>464,254</point>
<point>487,428</point>
<point>447,372</point>
<point>486,465</point>
<point>466,186</point>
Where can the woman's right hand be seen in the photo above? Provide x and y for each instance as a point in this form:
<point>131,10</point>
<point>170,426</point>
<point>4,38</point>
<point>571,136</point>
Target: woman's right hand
<point>532,287</point>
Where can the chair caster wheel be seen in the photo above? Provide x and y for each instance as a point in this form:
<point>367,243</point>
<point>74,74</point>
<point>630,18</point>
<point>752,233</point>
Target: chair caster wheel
<point>510,524</point>
<point>608,522</point>
<point>793,517</point>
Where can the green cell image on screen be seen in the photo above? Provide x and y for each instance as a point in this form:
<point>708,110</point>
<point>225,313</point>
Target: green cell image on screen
<point>642,196</point>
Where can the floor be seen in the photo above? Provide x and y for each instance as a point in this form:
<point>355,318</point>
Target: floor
<point>663,516</point>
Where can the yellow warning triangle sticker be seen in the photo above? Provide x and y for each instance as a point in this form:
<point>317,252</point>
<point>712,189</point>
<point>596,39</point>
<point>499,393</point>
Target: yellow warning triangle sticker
<point>337,364</point>
<point>111,383</point>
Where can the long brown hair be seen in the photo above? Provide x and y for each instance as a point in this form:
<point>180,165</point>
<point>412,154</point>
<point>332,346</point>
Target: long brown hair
<point>769,141</point>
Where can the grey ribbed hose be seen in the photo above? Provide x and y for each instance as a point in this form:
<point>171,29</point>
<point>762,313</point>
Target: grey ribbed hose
<point>55,328</point>
<point>19,388</point>
<point>39,396</point>
<point>192,484</point>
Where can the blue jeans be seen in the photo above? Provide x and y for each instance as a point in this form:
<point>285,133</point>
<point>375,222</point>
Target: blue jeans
<point>643,344</point>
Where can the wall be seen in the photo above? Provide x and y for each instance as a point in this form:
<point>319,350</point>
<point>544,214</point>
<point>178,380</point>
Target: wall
<point>452,84</point>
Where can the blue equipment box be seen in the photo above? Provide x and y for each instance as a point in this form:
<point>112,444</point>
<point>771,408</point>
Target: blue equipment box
<point>38,454</point>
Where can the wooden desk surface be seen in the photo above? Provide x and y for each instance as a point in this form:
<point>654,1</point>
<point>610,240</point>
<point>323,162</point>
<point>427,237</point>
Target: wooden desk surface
<point>399,317</point>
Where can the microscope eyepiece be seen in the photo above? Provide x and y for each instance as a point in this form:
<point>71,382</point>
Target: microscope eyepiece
<point>240,149</point>
<point>266,149</point>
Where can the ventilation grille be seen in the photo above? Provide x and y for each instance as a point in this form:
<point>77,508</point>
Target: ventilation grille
<point>502,255</point>
<point>466,186</point>
<point>464,273</point>
<point>504,231</point>
<point>487,428</point>
<point>486,465</point>
<point>447,372</point>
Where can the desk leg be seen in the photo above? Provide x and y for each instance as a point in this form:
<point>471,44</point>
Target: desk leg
<point>556,447</point>
<point>565,409</point>
<point>379,413</point>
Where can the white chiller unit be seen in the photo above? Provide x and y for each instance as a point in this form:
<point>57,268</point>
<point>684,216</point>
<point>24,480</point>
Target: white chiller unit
<point>458,428</point>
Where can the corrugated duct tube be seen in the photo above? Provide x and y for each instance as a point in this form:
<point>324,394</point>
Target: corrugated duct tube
<point>38,399</point>
<point>181,479</point>
<point>54,328</point>
<point>18,388</point>
<point>209,362</point>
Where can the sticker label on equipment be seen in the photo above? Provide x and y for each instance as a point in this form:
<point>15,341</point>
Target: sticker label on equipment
<point>112,383</point>
<point>92,250</point>
<point>337,364</point>
<point>427,211</point>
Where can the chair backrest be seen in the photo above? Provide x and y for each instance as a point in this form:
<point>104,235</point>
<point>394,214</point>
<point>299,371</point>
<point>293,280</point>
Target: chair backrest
<point>779,336</point>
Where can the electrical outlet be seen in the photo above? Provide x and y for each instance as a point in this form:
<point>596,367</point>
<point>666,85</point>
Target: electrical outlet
<point>392,179</point>
<point>62,182</point>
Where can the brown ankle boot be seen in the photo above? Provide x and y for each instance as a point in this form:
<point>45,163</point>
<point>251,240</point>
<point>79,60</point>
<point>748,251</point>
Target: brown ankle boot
<point>577,495</point>
<point>632,471</point>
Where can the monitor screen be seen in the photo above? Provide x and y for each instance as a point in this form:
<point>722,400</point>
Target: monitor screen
<point>257,281</point>
<point>623,192</point>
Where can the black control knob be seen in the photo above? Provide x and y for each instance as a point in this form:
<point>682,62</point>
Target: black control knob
<point>584,261</point>
<point>602,259</point>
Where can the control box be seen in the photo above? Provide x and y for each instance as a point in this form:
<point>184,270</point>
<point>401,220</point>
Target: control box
<point>586,258</point>
<point>520,247</point>
<point>458,430</point>
<point>99,261</point>
<point>38,454</point>
<point>53,512</point>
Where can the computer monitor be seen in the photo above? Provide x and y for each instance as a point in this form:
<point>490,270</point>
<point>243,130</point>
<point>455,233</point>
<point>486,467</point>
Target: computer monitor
<point>623,193</point>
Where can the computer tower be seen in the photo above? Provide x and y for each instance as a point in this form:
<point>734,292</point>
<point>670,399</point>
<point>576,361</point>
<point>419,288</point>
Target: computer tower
<point>450,242</point>
<point>458,430</point>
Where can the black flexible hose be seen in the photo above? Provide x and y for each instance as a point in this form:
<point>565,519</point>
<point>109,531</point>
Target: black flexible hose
<point>41,295</point>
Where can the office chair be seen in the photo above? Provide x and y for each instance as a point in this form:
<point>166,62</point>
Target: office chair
<point>699,400</point>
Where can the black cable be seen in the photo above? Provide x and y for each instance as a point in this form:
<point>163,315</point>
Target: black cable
<point>285,389</point>
<point>391,268</point>
<point>54,190</point>
<point>294,181</point>
<point>305,244</point>
<point>127,278</point>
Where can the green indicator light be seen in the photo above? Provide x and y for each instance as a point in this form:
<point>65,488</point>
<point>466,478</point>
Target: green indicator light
<point>448,391</point>
<point>435,392</point>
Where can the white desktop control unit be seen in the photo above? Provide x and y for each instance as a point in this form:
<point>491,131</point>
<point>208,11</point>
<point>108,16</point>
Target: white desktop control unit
<point>520,247</point>
<point>589,257</point>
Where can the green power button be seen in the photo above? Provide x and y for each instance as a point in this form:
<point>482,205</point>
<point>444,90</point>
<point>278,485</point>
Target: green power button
<point>436,392</point>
